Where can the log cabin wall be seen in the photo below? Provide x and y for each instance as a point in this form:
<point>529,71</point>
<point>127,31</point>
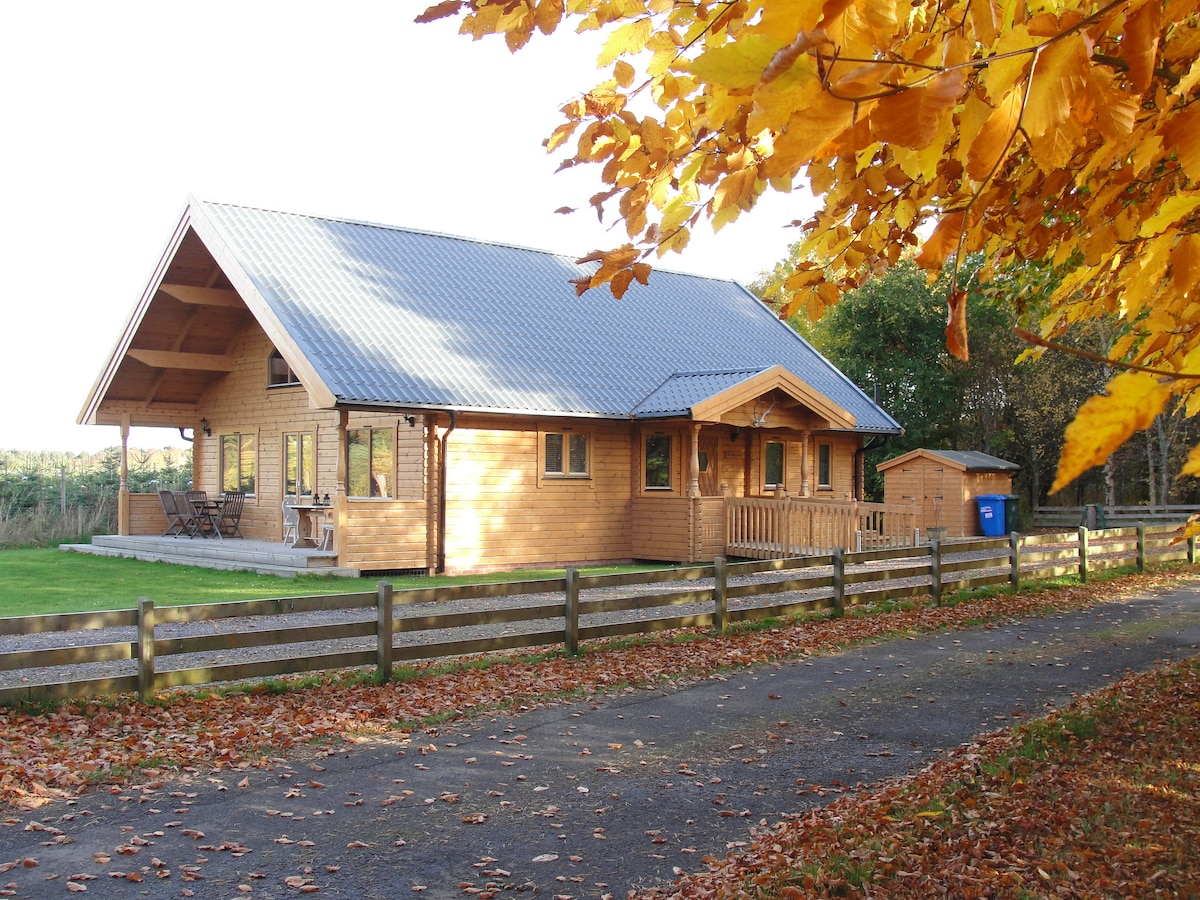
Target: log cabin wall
<point>378,532</point>
<point>505,512</point>
<point>145,514</point>
<point>242,403</point>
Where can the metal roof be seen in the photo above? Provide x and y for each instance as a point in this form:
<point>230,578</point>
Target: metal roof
<point>396,317</point>
<point>966,460</point>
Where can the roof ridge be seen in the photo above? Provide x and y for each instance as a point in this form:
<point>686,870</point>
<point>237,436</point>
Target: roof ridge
<point>426,232</point>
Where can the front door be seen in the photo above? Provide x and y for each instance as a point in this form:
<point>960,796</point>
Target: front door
<point>710,476</point>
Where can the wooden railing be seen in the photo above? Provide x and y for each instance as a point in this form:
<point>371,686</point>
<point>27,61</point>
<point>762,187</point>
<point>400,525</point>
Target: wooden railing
<point>769,528</point>
<point>559,611</point>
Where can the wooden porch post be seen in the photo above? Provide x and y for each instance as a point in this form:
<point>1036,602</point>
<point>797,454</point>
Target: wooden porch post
<point>123,490</point>
<point>804,489</point>
<point>694,463</point>
<point>339,488</point>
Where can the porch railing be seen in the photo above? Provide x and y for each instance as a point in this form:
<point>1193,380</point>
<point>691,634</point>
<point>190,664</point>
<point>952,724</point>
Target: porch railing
<point>779,528</point>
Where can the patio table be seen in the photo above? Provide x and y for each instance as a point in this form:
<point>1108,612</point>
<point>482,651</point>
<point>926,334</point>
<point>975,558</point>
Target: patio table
<point>206,512</point>
<point>309,530</point>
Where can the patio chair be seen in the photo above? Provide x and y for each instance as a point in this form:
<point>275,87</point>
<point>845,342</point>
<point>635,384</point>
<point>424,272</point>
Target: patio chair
<point>192,522</point>
<point>194,496</point>
<point>177,521</point>
<point>291,521</point>
<point>226,521</point>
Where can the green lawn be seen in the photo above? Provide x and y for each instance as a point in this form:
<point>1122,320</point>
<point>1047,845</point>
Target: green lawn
<point>40,581</point>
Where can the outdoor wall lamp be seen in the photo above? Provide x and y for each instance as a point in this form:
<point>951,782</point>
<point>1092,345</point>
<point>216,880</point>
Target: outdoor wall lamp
<point>734,435</point>
<point>204,427</point>
<point>411,420</point>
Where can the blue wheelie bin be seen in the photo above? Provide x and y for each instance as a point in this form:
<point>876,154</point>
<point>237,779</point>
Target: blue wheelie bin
<point>991,514</point>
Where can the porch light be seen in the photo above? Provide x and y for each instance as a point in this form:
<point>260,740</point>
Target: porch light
<point>204,427</point>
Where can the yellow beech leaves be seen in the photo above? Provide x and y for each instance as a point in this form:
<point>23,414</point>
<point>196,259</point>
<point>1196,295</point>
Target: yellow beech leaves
<point>1104,422</point>
<point>1058,130</point>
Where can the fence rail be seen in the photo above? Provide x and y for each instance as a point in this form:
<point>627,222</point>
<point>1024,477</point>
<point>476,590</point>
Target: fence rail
<point>1096,515</point>
<point>698,597</point>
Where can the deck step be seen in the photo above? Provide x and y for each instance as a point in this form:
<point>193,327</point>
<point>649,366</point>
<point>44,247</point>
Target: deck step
<point>263,557</point>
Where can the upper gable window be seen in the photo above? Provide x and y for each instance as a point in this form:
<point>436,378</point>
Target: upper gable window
<point>279,373</point>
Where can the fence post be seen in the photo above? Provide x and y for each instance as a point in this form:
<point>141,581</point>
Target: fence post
<point>720,593</point>
<point>1083,554</point>
<point>384,630</point>
<point>1014,558</point>
<point>1192,550</point>
<point>935,570</point>
<point>571,639</point>
<point>1141,548</point>
<point>839,581</point>
<point>145,648</point>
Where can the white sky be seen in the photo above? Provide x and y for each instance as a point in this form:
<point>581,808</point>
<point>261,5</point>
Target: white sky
<point>114,112</point>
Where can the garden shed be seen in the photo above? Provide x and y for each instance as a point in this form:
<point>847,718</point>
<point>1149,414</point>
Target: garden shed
<point>945,484</point>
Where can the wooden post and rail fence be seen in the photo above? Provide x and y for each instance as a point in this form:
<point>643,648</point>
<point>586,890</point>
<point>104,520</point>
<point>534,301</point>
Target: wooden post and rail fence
<point>832,581</point>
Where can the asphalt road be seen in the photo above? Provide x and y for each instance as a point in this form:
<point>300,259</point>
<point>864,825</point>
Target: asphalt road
<point>585,799</point>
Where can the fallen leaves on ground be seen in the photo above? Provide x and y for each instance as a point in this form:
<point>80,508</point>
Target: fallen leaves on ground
<point>118,740</point>
<point>1097,801</point>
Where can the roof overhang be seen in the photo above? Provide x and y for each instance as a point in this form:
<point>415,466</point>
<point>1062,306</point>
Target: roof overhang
<point>175,343</point>
<point>718,396</point>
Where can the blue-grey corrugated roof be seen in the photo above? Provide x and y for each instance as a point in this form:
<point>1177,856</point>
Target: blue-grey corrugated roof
<point>684,390</point>
<point>975,461</point>
<point>396,317</point>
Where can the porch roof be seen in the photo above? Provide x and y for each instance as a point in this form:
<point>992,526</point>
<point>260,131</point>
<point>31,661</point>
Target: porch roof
<point>378,316</point>
<point>710,395</point>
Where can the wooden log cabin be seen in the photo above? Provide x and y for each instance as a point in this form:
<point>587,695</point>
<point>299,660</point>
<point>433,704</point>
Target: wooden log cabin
<point>463,410</point>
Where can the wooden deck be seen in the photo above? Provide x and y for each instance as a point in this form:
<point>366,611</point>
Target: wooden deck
<point>263,557</point>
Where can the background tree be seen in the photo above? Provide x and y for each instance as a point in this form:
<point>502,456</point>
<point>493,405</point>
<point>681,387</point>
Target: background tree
<point>1065,130</point>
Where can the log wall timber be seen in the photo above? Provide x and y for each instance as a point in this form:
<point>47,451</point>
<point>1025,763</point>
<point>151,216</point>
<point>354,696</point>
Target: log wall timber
<point>146,514</point>
<point>504,511</point>
<point>383,534</point>
<point>660,528</point>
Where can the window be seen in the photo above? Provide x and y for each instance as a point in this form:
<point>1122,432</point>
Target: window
<point>658,462</point>
<point>773,464</point>
<point>238,455</point>
<point>299,464</point>
<point>279,373</point>
<point>371,463</point>
<point>824,466</point>
<point>566,454</point>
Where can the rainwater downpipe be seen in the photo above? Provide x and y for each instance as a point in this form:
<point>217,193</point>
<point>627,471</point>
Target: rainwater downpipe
<point>859,455</point>
<point>443,480</point>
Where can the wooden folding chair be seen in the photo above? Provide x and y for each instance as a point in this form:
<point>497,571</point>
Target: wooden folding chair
<point>226,521</point>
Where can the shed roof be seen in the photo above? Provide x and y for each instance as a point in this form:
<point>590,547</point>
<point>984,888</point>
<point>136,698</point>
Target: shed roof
<point>375,315</point>
<point>963,460</point>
